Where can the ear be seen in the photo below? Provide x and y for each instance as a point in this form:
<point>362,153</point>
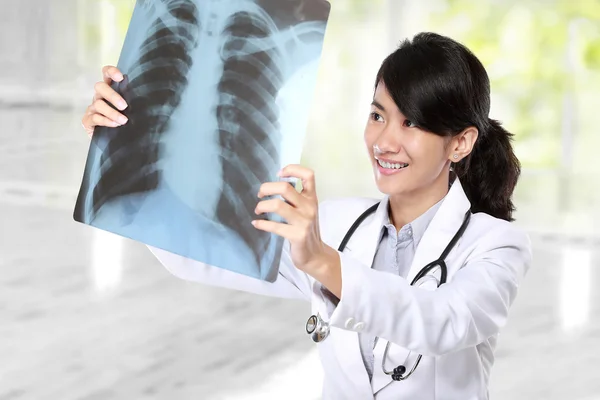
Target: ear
<point>462,144</point>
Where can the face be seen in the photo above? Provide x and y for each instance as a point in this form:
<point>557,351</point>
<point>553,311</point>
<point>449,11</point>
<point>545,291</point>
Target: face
<point>406,160</point>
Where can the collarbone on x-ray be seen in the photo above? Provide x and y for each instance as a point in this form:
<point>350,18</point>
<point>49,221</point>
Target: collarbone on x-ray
<point>205,86</point>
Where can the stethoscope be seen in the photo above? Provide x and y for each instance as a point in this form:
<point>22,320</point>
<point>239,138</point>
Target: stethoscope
<point>319,329</point>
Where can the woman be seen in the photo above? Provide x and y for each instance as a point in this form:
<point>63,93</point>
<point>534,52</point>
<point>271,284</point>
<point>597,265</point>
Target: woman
<point>444,166</point>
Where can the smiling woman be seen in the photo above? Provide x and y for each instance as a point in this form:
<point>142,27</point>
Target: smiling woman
<point>423,277</point>
<point>423,120</point>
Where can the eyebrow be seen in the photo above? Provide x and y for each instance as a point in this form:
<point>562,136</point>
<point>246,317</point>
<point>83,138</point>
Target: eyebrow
<point>378,105</point>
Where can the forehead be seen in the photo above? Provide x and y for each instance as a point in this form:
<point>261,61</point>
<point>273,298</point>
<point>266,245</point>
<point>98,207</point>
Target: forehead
<point>382,96</point>
<point>381,91</point>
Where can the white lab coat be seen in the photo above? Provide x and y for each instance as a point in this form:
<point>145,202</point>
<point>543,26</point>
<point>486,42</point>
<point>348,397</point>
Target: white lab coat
<point>455,327</point>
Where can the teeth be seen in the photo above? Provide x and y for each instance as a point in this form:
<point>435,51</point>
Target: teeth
<point>391,166</point>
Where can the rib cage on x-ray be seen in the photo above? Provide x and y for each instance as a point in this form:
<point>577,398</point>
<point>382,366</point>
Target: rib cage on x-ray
<point>156,84</point>
<point>253,53</point>
<point>232,59</point>
<point>248,121</point>
<point>153,91</point>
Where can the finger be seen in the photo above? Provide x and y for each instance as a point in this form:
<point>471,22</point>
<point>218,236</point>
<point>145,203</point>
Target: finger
<point>281,208</point>
<point>111,73</point>
<point>306,175</point>
<point>104,91</point>
<point>100,120</point>
<point>88,129</point>
<point>286,231</point>
<point>87,121</point>
<point>284,189</point>
<point>107,111</point>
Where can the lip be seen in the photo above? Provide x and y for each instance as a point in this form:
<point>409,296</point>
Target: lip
<point>389,171</point>
<point>390,161</point>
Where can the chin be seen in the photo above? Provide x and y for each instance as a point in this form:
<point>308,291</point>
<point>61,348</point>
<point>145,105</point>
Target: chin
<point>391,186</point>
<point>392,190</point>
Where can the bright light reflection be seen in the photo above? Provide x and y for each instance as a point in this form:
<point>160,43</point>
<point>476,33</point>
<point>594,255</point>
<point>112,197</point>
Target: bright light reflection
<point>108,16</point>
<point>575,287</point>
<point>106,261</point>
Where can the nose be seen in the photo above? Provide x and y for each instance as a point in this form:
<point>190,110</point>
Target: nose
<point>387,142</point>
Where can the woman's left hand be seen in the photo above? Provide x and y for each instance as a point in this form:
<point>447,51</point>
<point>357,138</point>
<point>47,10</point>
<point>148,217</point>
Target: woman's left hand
<point>308,251</point>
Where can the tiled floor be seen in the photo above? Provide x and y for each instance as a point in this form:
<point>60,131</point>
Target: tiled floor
<point>88,315</point>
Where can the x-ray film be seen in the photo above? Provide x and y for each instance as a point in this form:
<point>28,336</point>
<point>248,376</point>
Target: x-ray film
<point>219,94</point>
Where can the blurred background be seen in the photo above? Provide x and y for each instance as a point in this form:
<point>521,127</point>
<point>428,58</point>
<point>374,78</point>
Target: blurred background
<point>88,315</point>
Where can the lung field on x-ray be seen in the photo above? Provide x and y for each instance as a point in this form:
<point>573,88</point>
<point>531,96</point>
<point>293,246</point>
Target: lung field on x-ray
<point>248,122</point>
<point>154,89</point>
<point>256,65</point>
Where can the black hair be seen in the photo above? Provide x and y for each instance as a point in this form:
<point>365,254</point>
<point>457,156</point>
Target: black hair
<point>441,87</point>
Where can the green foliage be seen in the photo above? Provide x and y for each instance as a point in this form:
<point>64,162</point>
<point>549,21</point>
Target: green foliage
<point>591,54</point>
<point>94,29</point>
<point>124,12</point>
<point>532,52</point>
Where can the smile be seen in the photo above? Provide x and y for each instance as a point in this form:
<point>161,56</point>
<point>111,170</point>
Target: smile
<point>388,165</point>
<point>390,168</point>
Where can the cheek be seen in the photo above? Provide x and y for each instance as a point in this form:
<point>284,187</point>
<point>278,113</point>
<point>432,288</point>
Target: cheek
<point>428,153</point>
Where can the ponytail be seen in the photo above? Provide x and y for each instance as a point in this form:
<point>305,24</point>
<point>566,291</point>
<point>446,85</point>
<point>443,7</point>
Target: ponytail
<point>490,173</point>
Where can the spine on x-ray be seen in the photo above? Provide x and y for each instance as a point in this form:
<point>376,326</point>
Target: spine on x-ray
<point>156,83</point>
<point>247,118</point>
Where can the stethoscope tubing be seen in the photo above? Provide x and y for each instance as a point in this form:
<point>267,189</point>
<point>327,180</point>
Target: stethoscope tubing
<point>318,329</point>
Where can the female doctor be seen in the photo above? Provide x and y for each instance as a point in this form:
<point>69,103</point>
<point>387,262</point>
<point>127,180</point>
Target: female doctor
<point>447,172</point>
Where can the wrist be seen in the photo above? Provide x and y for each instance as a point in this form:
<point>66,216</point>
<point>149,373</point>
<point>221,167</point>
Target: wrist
<point>327,270</point>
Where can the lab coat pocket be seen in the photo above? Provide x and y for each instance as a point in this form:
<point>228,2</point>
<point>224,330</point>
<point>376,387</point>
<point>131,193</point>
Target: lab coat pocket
<point>396,356</point>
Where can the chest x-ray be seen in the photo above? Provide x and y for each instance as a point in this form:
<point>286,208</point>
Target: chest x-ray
<point>219,94</point>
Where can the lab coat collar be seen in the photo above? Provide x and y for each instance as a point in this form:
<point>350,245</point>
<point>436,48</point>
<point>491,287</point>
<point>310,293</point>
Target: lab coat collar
<point>367,237</point>
<point>442,228</point>
<point>439,233</point>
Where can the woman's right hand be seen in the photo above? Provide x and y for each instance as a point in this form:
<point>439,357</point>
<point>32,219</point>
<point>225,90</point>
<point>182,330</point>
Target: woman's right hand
<point>100,113</point>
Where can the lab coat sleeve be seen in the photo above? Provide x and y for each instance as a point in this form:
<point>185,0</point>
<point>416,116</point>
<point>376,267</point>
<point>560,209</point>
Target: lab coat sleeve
<point>291,283</point>
<point>462,313</point>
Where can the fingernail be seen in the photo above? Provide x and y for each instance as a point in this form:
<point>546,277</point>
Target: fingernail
<point>279,173</point>
<point>114,124</point>
<point>253,223</point>
<point>123,120</point>
<point>119,77</point>
<point>121,105</point>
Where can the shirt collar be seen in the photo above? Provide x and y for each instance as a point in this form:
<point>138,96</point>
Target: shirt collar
<point>416,228</point>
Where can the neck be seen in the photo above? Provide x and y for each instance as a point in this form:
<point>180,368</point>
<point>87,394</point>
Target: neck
<point>405,208</point>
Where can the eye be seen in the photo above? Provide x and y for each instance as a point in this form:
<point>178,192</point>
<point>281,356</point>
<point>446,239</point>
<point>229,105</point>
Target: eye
<point>409,124</point>
<point>375,116</point>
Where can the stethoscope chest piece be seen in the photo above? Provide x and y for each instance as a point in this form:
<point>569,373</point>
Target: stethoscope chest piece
<point>317,328</point>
